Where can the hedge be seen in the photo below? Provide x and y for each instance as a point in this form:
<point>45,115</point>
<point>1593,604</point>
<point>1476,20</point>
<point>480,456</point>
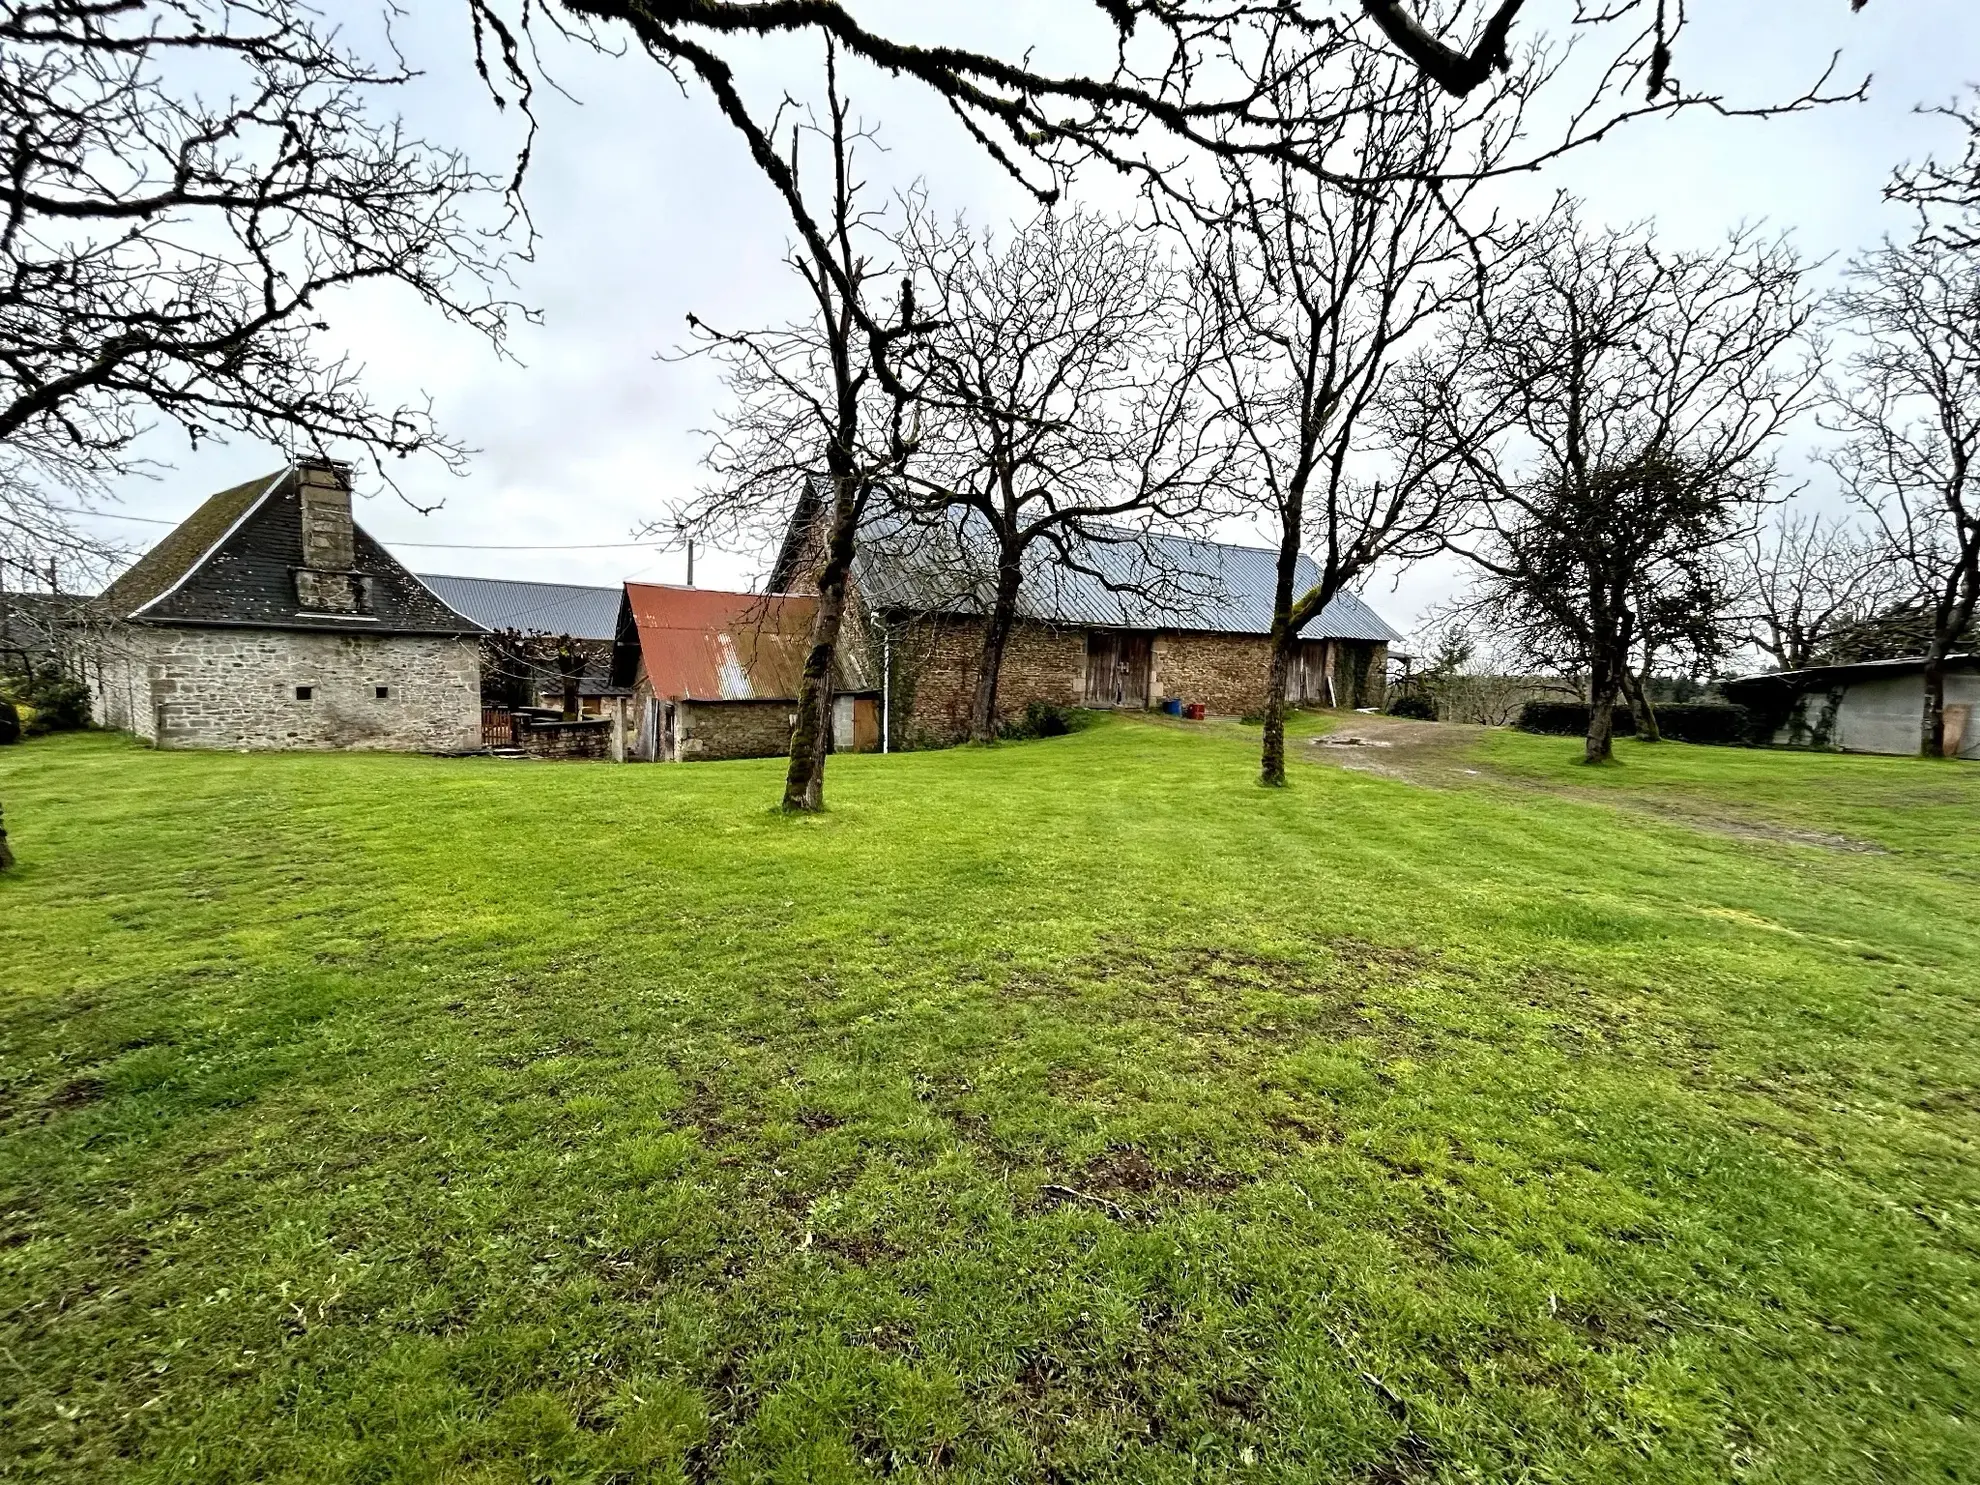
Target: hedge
<point>1713,722</point>
<point>1568,719</point>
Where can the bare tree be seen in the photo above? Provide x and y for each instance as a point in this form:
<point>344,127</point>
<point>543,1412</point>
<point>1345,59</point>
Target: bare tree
<point>1945,194</point>
<point>1680,611</point>
<point>1166,80</point>
<point>512,664</point>
<point>1641,389</point>
<point>1907,410</point>
<point>1166,75</point>
<point>820,417</point>
<point>184,186</point>
<point>187,184</point>
<point>1805,580</point>
<point>1322,301</point>
<point>1062,412</point>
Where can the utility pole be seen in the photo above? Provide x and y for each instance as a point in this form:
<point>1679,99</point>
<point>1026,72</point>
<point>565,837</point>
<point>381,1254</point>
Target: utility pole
<point>690,581</point>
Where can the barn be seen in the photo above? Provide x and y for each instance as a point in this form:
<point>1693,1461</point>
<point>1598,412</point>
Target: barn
<point>269,619</point>
<point>715,675</point>
<point>1134,623</point>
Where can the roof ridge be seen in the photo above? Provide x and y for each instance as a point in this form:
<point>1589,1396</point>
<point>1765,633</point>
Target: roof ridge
<point>462,577</point>
<point>274,483</point>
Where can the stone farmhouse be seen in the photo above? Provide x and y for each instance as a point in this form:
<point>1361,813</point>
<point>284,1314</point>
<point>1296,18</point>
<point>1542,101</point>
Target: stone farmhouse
<point>269,619</point>
<point>715,675</point>
<point>1149,620</point>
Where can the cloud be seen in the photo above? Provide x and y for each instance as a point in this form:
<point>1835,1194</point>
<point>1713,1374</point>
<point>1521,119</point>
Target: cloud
<point>647,208</point>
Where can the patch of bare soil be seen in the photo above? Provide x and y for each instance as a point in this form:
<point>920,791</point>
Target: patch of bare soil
<point>1399,748</point>
<point>1754,829</point>
<point>1124,1183</point>
<point>1437,755</point>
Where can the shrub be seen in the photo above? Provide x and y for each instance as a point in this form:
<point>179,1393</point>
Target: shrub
<point>1414,704</point>
<point>1041,719</point>
<point>60,705</point>
<point>1716,722</point>
<point>10,723</point>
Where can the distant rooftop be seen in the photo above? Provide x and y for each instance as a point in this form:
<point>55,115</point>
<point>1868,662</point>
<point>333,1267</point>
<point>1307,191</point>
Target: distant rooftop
<point>551,608</point>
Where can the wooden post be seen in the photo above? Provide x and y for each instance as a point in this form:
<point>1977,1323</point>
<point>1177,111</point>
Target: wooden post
<point>618,744</point>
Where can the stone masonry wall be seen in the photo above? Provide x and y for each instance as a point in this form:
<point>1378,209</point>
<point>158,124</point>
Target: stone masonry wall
<point>1361,673</point>
<point>709,730</point>
<point>936,667</point>
<point>936,662</point>
<point>236,688</point>
<point>1226,672</point>
<point>118,665</point>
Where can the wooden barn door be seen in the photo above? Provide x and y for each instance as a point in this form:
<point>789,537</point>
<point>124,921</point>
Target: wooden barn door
<point>1117,668</point>
<point>1309,678</point>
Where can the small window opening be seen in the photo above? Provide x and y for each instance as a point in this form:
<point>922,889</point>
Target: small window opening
<point>383,693</point>
<point>303,693</point>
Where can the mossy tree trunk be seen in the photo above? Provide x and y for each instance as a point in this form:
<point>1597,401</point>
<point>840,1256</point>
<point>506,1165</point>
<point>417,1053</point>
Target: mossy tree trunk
<point>996,639</point>
<point>1603,685</point>
<point>1636,691</point>
<point>811,739</point>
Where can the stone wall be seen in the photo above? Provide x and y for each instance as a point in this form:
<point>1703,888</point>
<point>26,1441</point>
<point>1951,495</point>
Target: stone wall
<point>1361,673</point>
<point>239,689</point>
<point>1226,672</point>
<point>117,666</point>
<point>590,738</point>
<point>935,670</point>
<point>705,731</point>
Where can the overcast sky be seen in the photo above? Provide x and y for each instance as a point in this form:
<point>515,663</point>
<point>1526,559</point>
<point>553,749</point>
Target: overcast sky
<point>648,209</point>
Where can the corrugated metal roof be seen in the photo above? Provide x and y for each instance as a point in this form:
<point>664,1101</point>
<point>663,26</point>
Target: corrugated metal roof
<point>706,645</point>
<point>1827,675</point>
<point>1139,582</point>
<point>552,608</point>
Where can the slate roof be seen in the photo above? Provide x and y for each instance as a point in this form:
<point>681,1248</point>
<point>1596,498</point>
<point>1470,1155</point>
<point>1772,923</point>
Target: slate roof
<point>550,608</point>
<point>1200,586</point>
<point>701,644</point>
<point>232,563</point>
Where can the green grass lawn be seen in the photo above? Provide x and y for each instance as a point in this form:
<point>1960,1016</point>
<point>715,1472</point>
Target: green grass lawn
<point>1071,1110</point>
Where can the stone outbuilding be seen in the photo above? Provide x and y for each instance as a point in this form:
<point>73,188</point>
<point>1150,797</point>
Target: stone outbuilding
<point>715,675</point>
<point>1138,622</point>
<point>269,619</point>
<point>1874,706</point>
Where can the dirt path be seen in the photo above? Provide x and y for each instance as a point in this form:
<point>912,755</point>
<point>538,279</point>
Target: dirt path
<point>1422,752</point>
<point>1440,755</point>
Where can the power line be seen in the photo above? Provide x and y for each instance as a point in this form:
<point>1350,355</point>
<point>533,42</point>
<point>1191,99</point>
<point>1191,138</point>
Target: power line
<point>109,515</point>
<point>447,546</point>
<point>468,546</point>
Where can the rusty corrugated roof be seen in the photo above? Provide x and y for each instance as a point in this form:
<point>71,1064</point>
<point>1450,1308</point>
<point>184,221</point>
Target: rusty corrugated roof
<point>704,645</point>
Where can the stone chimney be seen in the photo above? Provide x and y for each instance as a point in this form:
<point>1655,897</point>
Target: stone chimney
<point>325,582</point>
